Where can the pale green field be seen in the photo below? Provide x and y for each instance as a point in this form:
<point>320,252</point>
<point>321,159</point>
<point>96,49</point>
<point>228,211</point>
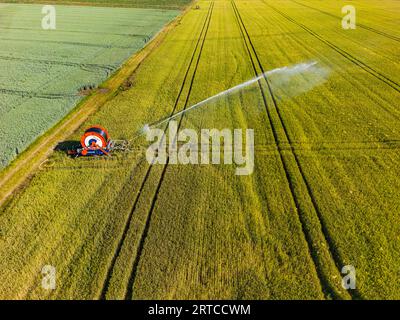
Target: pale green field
<point>165,4</point>
<point>324,192</point>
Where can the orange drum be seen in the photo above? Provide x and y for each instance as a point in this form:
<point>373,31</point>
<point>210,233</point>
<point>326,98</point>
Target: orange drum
<point>95,137</point>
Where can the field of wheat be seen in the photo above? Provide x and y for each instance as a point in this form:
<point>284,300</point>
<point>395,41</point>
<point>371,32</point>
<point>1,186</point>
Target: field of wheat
<point>324,193</point>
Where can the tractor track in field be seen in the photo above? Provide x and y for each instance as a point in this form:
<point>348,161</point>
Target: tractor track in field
<point>72,43</point>
<point>326,286</point>
<point>129,292</point>
<point>109,68</point>
<point>84,32</point>
<point>363,26</point>
<point>32,94</point>
<point>375,73</point>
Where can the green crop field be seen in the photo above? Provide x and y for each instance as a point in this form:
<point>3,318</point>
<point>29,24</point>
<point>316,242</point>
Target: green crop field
<point>43,71</point>
<point>165,4</point>
<point>324,193</point>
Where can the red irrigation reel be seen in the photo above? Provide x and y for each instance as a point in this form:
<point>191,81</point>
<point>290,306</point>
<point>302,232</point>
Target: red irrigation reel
<point>94,142</point>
